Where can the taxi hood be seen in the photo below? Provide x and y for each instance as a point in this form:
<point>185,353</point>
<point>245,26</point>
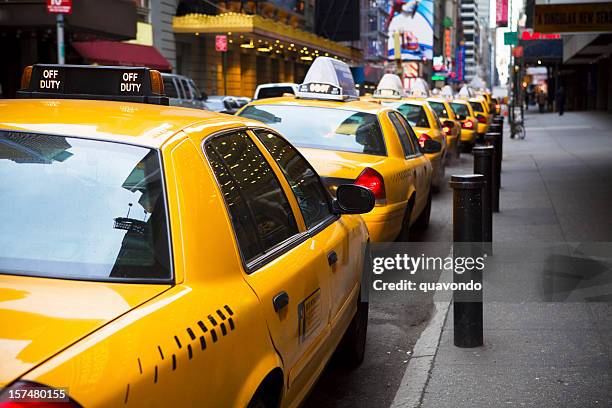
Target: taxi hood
<point>40,317</point>
<point>338,164</point>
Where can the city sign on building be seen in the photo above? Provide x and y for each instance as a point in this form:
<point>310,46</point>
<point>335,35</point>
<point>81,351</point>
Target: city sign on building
<point>59,6</point>
<point>574,17</point>
<point>511,38</point>
<point>501,13</point>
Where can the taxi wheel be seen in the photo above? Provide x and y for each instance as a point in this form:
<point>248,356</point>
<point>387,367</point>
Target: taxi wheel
<point>423,221</point>
<point>257,402</point>
<point>352,346</point>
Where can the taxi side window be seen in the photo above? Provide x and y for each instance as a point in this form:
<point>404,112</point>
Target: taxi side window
<point>309,192</point>
<point>260,212</point>
<point>170,88</point>
<point>187,89</point>
<point>402,132</point>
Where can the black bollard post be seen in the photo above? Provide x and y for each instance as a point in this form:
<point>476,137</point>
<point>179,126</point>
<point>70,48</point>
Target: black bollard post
<point>483,164</point>
<point>500,122</point>
<point>494,139</point>
<point>467,239</point>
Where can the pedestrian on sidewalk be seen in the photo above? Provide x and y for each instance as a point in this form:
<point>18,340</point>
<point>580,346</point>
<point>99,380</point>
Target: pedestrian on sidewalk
<point>560,99</point>
<point>542,97</point>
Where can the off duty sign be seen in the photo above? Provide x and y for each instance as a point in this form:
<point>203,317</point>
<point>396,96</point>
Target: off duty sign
<point>59,6</point>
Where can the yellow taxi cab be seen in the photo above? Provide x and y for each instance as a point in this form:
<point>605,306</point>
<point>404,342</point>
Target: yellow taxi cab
<point>427,126</point>
<point>166,256</point>
<point>465,114</point>
<point>481,110</point>
<point>451,126</point>
<point>496,106</point>
<point>350,141</point>
<point>390,92</point>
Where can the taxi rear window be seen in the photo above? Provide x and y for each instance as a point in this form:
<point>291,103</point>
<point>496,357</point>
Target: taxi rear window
<point>323,128</point>
<point>76,208</point>
<point>414,114</point>
<point>477,106</point>
<point>439,108</point>
<point>460,109</point>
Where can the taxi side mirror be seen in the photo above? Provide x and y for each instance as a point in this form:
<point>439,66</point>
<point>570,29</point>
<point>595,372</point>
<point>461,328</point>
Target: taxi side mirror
<point>431,146</point>
<point>353,199</point>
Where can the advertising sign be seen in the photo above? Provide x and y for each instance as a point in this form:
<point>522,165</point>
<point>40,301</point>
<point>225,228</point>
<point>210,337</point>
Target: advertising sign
<point>570,18</point>
<point>501,13</point>
<point>460,65</point>
<point>221,43</point>
<point>413,21</point>
<point>59,6</point>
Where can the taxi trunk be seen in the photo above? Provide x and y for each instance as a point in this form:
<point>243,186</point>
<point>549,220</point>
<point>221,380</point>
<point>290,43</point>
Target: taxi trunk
<point>337,167</point>
<point>40,317</point>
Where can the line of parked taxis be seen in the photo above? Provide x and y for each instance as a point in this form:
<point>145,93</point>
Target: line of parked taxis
<point>169,255</point>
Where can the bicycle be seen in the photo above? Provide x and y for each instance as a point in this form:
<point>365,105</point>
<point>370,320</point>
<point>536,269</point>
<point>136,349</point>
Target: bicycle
<point>517,126</point>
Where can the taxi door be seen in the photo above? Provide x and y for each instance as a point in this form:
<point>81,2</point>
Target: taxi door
<point>329,238</point>
<point>415,160</point>
<point>287,271</point>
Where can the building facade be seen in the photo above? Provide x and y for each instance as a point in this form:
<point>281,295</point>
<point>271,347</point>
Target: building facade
<point>471,37</point>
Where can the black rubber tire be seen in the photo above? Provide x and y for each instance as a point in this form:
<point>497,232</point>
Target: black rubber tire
<point>422,223</point>
<point>257,402</point>
<point>353,344</point>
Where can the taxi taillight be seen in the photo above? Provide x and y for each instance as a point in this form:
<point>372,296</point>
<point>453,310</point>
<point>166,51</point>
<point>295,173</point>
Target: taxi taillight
<point>26,77</point>
<point>157,83</point>
<point>448,127</point>
<point>467,124</point>
<point>424,137</point>
<point>481,118</point>
<point>373,180</point>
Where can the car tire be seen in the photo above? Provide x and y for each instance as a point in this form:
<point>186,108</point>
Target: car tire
<point>423,221</point>
<point>353,344</point>
<point>257,402</point>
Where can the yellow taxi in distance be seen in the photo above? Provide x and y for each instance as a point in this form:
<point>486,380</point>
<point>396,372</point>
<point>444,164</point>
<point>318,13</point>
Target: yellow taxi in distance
<point>481,111</point>
<point>167,256</point>
<point>427,126</point>
<point>465,114</point>
<point>350,141</point>
<point>451,126</point>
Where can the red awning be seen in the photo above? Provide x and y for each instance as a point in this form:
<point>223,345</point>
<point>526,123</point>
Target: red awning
<point>119,53</point>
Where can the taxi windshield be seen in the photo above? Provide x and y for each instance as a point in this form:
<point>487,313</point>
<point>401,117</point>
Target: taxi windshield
<point>81,209</point>
<point>323,128</point>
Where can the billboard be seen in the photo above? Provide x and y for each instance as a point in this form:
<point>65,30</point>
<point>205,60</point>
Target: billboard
<point>501,13</point>
<point>410,21</point>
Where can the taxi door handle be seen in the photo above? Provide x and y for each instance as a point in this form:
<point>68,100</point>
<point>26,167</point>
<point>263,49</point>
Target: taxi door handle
<point>332,258</point>
<point>280,301</point>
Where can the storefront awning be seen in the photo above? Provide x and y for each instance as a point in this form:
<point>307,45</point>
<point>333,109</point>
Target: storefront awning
<point>119,53</point>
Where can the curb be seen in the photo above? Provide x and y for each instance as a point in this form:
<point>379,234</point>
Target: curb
<point>411,388</point>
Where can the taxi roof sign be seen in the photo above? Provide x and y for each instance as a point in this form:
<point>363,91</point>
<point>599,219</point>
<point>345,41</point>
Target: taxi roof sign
<point>330,79</point>
<point>390,86</point>
<point>127,84</point>
<point>419,88</point>
<point>447,92</point>
<point>466,92</point>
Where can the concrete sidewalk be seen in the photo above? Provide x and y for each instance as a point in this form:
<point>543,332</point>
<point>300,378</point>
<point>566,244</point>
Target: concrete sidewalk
<point>556,187</point>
